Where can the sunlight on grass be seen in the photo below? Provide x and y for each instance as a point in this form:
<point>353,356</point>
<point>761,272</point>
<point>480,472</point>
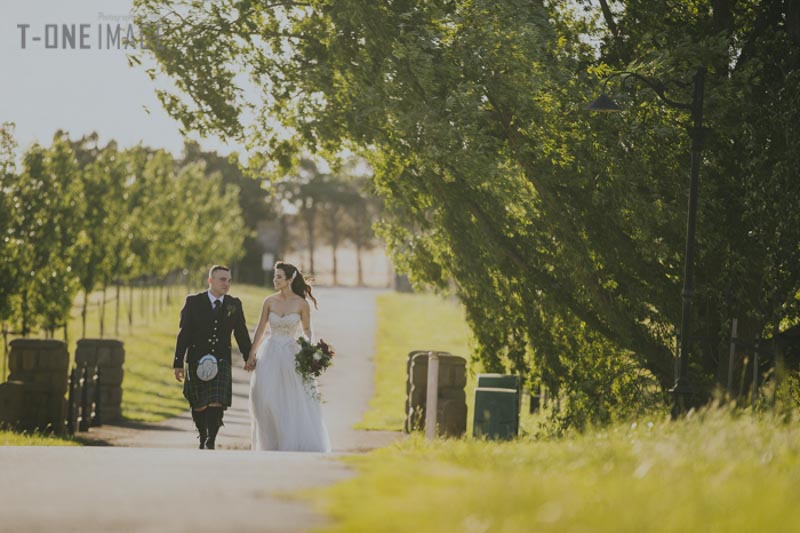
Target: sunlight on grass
<point>409,322</point>
<point>714,472</point>
<point>10,438</point>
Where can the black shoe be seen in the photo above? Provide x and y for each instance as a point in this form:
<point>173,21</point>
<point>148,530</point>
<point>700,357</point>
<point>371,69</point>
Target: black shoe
<point>214,421</point>
<point>200,420</point>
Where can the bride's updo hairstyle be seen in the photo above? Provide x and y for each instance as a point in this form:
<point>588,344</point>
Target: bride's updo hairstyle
<point>296,280</point>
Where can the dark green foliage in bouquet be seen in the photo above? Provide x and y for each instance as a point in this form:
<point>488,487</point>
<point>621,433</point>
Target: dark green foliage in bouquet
<point>313,359</point>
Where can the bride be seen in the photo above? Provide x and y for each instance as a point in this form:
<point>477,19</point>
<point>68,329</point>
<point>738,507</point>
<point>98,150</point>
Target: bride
<point>284,413</point>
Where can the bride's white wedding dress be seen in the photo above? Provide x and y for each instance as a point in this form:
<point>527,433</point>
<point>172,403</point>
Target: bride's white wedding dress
<point>284,415</point>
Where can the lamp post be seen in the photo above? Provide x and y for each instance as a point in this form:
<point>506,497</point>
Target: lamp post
<point>682,390</point>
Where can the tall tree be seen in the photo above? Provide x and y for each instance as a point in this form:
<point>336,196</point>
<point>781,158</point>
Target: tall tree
<point>102,173</point>
<point>10,275</point>
<point>48,194</point>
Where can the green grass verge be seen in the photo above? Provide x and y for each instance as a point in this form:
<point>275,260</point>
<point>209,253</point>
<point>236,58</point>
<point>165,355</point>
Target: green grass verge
<point>409,322</point>
<point>11,438</point>
<point>713,472</point>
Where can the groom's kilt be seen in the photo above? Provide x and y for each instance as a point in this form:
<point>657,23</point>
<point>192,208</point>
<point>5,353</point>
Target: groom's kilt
<point>201,393</point>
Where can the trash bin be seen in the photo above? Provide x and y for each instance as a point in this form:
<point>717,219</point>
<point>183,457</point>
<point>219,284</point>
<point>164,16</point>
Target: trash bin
<point>496,413</point>
<point>497,404</point>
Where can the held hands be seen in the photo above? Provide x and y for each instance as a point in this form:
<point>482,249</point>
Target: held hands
<point>250,364</point>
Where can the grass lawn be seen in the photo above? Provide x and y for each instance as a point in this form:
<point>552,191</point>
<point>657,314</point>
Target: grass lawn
<point>713,472</point>
<point>10,438</point>
<point>408,322</point>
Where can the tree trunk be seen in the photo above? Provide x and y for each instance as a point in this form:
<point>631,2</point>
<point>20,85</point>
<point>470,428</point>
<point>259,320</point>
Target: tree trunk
<point>83,313</point>
<point>334,244</point>
<point>284,238</point>
<point>153,299</point>
<point>142,295</point>
<point>5,353</point>
<point>130,307</point>
<point>310,216</point>
<point>103,313</point>
<point>116,318</point>
<point>25,314</point>
<point>359,264</point>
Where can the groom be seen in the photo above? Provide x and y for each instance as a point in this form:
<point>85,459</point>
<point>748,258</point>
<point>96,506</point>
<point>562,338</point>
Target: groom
<point>204,341</point>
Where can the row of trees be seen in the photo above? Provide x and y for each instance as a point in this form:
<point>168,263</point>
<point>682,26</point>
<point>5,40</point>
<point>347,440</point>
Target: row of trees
<point>318,203</point>
<point>561,232</point>
<point>331,206</point>
<point>79,217</point>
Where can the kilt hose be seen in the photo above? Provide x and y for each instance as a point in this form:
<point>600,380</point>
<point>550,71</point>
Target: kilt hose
<point>202,393</point>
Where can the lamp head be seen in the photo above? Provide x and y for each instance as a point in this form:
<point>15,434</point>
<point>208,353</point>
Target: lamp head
<point>604,104</point>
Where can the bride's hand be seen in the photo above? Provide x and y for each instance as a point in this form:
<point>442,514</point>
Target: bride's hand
<point>250,364</point>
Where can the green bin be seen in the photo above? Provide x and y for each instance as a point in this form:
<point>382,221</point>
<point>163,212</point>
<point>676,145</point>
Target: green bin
<point>496,413</point>
<point>503,381</point>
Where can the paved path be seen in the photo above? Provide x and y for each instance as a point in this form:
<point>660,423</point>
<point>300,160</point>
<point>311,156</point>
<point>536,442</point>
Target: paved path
<point>153,478</point>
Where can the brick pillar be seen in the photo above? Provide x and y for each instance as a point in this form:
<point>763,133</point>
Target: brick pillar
<point>109,356</point>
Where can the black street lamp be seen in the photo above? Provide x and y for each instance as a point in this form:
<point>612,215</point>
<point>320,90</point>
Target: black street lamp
<point>682,390</point>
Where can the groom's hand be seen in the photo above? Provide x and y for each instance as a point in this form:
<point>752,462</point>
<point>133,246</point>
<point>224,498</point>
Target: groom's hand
<point>179,375</point>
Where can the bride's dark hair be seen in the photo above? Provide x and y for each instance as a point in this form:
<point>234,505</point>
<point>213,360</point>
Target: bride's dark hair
<point>299,285</point>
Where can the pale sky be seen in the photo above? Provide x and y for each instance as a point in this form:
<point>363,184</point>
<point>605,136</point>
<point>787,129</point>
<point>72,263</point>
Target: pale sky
<point>81,90</point>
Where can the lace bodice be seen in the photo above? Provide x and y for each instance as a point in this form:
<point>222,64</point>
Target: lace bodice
<point>284,326</point>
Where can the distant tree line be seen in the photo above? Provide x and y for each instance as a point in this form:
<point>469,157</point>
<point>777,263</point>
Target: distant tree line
<point>314,203</point>
<point>328,207</point>
<point>78,217</point>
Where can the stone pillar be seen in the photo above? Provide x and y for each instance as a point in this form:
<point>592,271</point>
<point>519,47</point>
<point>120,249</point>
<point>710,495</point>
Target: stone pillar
<point>109,356</point>
<point>451,413</point>
<point>33,398</point>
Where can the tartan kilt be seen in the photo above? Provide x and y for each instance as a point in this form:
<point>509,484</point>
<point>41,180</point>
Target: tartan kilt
<point>218,390</point>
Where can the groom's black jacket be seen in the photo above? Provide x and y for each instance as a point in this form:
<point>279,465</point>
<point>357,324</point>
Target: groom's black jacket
<point>205,331</point>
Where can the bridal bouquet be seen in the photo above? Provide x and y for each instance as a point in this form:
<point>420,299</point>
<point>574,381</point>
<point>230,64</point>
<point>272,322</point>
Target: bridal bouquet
<point>313,359</point>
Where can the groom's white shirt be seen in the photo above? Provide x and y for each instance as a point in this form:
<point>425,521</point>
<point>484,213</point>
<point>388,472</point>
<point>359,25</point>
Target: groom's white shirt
<point>213,299</point>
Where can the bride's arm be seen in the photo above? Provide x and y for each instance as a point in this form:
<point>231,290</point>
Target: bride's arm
<point>305,318</point>
<point>261,329</point>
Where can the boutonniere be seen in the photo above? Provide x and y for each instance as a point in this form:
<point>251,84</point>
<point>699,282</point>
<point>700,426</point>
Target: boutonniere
<point>230,310</point>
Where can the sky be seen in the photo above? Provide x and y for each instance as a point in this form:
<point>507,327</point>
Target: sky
<point>82,90</point>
